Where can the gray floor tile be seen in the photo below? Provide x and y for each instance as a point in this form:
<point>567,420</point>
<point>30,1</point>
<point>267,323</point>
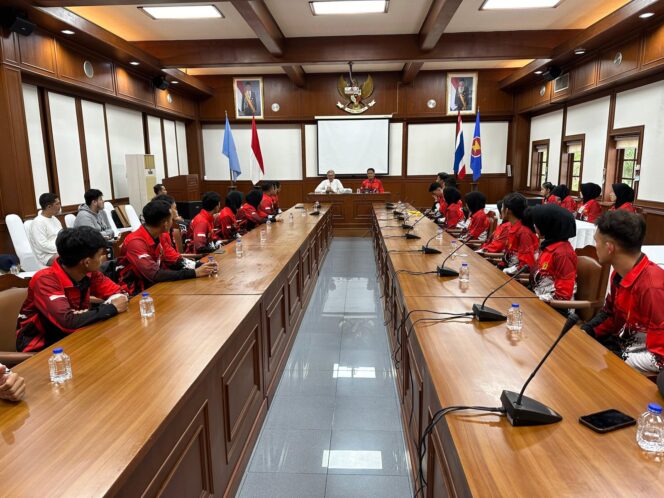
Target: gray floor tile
<point>293,451</point>
<point>379,360</point>
<point>366,383</point>
<point>313,359</point>
<point>305,382</point>
<point>368,452</point>
<point>364,338</point>
<point>370,414</point>
<point>301,412</point>
<point>271,485</point>
<point>345,486</point>
<point>323,340</point>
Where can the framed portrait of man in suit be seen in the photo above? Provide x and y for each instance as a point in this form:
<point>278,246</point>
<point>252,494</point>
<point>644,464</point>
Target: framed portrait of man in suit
<point>461,93</point>
<point>248,94</point>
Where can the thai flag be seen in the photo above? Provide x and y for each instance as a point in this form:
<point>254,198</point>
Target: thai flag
<point>459,163</point>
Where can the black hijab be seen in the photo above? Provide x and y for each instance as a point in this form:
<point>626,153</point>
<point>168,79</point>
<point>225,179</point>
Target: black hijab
<point>554,222</point>
<point>590,191</point>
<point>234,200</point>
<point>624,193</point>
<point>451,195</point>
<point>254,198</point>
<point>475,201</point>
<point>561,191</point>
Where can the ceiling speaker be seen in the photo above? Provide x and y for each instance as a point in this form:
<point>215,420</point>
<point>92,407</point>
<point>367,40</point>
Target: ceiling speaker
<point>16,21</point>
<point>551,73</point>
<point>160,82</point>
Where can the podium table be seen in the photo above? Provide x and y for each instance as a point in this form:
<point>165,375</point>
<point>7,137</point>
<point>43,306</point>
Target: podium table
<point>351,213</point>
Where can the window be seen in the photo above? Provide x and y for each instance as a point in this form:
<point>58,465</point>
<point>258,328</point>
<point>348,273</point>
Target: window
<point>540,163</point>
<point>574,166</point>
<point>627,157</point>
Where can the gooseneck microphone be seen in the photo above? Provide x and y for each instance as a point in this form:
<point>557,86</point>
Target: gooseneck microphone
<point>486,314</point>
<point>405,226</point>
<point>522,410</point>
<point>430,250</point>
<point>444,271</point>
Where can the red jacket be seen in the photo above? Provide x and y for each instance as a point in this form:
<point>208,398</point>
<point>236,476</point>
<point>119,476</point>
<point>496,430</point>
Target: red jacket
<point>248,215</point>
<point>56,306</point>
<point>635,303</point>
<point>555,276</point>
<point>275,203</point>
<point>479,226</point>
<point>552,199</point>
<point>454,215</point>
<point>521,246</point>
<point>498,240</point>
<point>628,206</point>
<point>202,233</point>
<point>226,224</point>
<point>442,206</point>
<point>266,207</point>
<point>374,185</point>
<point>590,211</point>
<point>166,241</point>
<point>145,261</point>
<point>569,203</point>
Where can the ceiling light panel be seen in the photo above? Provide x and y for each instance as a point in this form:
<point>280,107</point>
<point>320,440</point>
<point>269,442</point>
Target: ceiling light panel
<point>183,12</point>
<point>518,4</point>
<point>337,7</point>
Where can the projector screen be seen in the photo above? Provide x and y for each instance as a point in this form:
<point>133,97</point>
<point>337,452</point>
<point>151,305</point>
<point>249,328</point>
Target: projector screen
<point>350,146</point>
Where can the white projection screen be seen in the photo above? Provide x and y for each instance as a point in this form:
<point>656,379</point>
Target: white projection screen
<point>350,146</point>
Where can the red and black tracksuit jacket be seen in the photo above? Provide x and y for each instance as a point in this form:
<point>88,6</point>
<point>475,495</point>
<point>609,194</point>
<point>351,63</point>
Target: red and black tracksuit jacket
<point>227,224</point>
<point>522,243</point>
<point>590,211</point>
<point>57,306</point>
<point>498,240</point>
<point>248,215</point>
<point>635,305</point>
<point>555,276</point>
<point>145,261</point>
<point>374,185</point>
<point>628,206</point>
<point>454,215</point>
<point>569,203</point>
<point>266,207</point>
<point>552,199</point>
<point>479,226</point>
<point>202,231</point>
<point>275,203</point>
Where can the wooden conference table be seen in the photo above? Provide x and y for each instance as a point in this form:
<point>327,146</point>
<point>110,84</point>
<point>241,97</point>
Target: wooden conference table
<point>171,405</point>
<point>464,362</point>
<point>351,213</point>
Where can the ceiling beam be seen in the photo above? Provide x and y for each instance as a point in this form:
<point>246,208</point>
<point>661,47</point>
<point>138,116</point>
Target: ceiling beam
<point>439,16</point>
<point>410,70</point>
<point>381,48</point>
<point>296,74</point>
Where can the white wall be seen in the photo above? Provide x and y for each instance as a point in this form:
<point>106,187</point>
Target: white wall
<point>125,136</point>
<point>311,149</point>
<point>396,149</point>
<point>170,139</point>
<point>547,126</point>
<point>35,141</point>
<point>431,147</point>
<point>94,128</point>
<point>183,158</point>
<point>591,119</point>
<point>156,146</point>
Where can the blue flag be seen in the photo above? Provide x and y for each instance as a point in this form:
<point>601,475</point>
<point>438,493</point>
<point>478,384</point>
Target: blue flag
<point>476,150</point>
<point>459,163</point>
<point>228,149</point>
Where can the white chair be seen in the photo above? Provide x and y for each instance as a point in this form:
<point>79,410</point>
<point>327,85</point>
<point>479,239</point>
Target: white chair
<point>19,235</point>
<point>108,212</point>
<point>134,220</point>
<point>69,220</point>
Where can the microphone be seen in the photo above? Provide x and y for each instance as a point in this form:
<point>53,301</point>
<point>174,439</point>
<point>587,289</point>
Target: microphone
<point>443,271</point>
<point>430,250</point>
<point>486,314</point>
<point>405,226</point>
<point>522,410</point>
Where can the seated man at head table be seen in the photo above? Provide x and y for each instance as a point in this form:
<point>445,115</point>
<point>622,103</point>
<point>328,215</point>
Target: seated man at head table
<point>372,184</point>
<point>58,301</point>
<point>330,185</point>
<point>12,386</point>
<point>204,238</point>
<point>160,189</point>
<point>45,228</point>
<point>146,256</point>
<point>631,323</point>
<point>90,213</point>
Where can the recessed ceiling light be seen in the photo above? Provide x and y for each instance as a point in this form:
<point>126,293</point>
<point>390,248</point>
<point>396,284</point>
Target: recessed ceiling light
<point>174,82</point>
<point>646,15</point>
<point>183,12</point>
<point>134,63</point>
<point>580,51</point>
<point>518,4</point>
<point>349,7</point>
<point>539,71</point>
<point>67,32</point>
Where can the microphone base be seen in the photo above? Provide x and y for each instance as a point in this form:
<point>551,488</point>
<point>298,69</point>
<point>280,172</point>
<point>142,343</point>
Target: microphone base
<point>430,250</point>
<point>314,213</point>
<point>412,236</point>
<point>529,412</point>
<point>397,213</point>
<point>444,271</point>
<point>406,226</point>
<point>401,217</point>
<point>486,314</point>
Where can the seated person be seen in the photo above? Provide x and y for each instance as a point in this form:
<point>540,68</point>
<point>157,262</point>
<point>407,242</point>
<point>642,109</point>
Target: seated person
<point>554,276</point>
<point>442,177</point>
<point>12,386</point>
<point>249,215</point>
<point>330,185</point>
<point>168,239</point>
<point>91,213</point>
<point>58,301</point>
<point>275,197</point>
<point>478,223</point>
<point>453,214</point>
<point>266,206</point>
<point>159,189</point>
<point>622,196</point>
<point>45,229</point>
<point>372,184</point>
<point>203,237</point>
<point>226,223</point>
<point>631,323</point>
<point>146,257</point>
<point>521,240</point>
<point>497,242</point>
<point>589,209</point>
<point>439,205</point>
<point>561,193</point>
<point>546,189</point>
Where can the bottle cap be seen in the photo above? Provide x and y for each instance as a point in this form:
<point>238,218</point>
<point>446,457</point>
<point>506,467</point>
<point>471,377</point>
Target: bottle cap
<point>464,264</point>
<point>654,407</point>
<point>145,294</point>
<point>515,305</point>
<point>60,350</point>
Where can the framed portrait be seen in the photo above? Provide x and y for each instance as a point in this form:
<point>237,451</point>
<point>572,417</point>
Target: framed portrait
<point>461,93</point>
<point>248,94</point>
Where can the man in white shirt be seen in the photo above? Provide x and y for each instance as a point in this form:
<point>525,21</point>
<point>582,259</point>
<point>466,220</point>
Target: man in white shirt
<point>45,228</point>
<point>330,186</point>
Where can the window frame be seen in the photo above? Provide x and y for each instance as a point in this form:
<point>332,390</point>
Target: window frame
<point>613,165</point>
<point>536,164</point>
<point>566,174</point>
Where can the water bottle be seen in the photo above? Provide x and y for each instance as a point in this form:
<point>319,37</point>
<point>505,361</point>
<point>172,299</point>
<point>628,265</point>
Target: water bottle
<point>454,244</point>
<point>304,213</point>
<point>316,206</point>
<point>238,246</point>
<point>268,225</point>
<point>211,260</point>
<point>358,190</point>
<point>650,429</point>
<point>464,273</point>
<point>514,319</point>
<point>439,235</point>
<point>263,235</point>
<point>15,270</point>
<point>146,305</point>
<point>290,217</point>
<point>60,366</point>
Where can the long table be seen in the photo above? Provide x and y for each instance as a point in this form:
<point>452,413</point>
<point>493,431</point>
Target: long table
<point>351,212</point>
<point>464,362</point>
<point>170,405</point>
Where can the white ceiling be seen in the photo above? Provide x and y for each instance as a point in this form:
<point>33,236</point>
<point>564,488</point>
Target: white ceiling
<point>498,64</point>
<point>360,68</point>
<point>253,70</point>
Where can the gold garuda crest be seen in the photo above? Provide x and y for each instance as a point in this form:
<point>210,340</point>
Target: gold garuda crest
<point>355,93</point>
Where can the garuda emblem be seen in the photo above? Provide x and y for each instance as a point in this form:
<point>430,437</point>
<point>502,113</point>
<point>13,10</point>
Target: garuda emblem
<point>355,94</point>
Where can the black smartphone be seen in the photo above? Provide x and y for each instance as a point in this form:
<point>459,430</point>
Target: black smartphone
<point>606,421</point>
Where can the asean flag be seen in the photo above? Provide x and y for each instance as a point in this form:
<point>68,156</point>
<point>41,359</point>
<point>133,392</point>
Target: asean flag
<point>476,150</point>
<point>256,168</point>
<point>459,152</point>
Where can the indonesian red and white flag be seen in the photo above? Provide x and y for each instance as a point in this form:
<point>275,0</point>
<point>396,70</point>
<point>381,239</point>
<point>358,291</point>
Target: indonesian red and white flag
<point>256,168</point>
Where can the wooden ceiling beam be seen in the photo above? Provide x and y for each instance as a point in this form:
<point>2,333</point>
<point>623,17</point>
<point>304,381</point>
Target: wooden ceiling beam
<point>410,70</point>
<point>439,16</point>
<point>296,74</point>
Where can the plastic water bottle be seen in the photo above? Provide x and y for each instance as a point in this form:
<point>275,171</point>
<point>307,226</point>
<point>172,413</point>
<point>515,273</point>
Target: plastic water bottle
<point>358,190</point>
<point>439,234</point>
<point>464,273</point>
<point>268,225</point>
<point>304,213</point>
<point>454,245</point>
<point>514,319</point>
<point>15,270</point>
<point>290,217</point>
<point>263,235</point>
<point>60,366</point>
<point>650,429</point>
<point>238,246</point>
<point>146,305</point>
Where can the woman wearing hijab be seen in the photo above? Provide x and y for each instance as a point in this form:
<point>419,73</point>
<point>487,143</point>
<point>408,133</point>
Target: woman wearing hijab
<point>622,196</point>
<point>589,209</point>
<point>478,228</point>
<point>555,274</point>
<point>226,223</point>
<point>248,212</point>
<point>453,215</point>
<point>561,192</point>
<point>498,240</point>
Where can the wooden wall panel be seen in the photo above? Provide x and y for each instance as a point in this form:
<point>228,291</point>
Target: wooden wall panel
<point>653,48</point>
<point>275,333</point>
<point>37,53</point>
<point>490,98</point>
<point>179,103</point>
<point>414,96</point>
<point>8,46</point>
<point>609,71</point>
<point>280,90</point>
<point>584,77</point>
<point>70,69</point>
<point>134,87</point>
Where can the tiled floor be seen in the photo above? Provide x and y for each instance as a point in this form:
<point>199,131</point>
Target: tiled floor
<point>334,428</point>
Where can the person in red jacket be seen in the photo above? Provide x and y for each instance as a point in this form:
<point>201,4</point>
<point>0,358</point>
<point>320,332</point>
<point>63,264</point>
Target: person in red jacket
<point>561,193</point>
<point>439,207</point>
<point>497,242</point>
<point>554,276</point>
<point>145,258</point>
<point>266,206</point>
<point>226,223</point>
<point>372,184</point>
<point>522,242</point>
<point>167,238</point>
<point>589,209</point>
<point>275,197</point>
<point>622,196</point>
<point>58,301</point>
<point>546,189</point>
<point>631,323</point>
<point>203,237</point>
<point>478,228</point>
<point>249,215</point>
<point>454,214</point>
